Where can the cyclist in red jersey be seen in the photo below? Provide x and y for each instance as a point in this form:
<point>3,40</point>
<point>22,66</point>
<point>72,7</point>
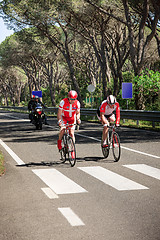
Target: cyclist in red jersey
<point>105,114</point>
<point>68,112</point>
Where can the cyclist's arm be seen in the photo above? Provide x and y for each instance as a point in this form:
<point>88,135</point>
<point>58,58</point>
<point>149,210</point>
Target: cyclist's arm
<point>103,118</point>
<point>59,114</point>
<point>117,114</point>
<point>78,116</point>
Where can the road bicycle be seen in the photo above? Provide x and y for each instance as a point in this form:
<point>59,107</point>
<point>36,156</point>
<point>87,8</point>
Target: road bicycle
<point>113,141</point>
<point>68,151</point>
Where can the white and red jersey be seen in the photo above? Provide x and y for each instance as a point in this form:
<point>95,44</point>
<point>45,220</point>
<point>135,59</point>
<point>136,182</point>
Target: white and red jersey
<point>69,110</point>
<point>107,110</point>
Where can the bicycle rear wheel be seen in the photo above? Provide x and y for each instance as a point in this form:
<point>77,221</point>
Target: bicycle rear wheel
<point>116,149</point>
<point>105,150</point>
<point>71,151</point>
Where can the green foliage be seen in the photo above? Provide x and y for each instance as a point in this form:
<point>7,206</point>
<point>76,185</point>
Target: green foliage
<point>149,85</point>
<point>59,95</point>
<point>149,81</point>
<point>2,167</point>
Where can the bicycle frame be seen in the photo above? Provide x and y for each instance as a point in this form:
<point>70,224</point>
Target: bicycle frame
<point>68,148</point>
<point>113,141</point>
<point>111,131</point>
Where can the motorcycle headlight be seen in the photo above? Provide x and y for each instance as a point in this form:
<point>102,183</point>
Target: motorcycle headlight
<point>39,109</point>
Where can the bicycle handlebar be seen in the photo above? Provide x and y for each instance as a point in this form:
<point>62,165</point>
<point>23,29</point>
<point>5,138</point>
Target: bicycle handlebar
<point>113,126</point>
<point>70,125</point>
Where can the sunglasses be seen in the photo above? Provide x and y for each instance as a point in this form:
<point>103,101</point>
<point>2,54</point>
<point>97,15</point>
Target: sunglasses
<point>72,98</point>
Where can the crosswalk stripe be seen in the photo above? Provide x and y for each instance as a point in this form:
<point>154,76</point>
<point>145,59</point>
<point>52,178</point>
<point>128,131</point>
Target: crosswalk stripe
<point>50,194</point>
<point>145,169</point>
<point>71,217</point>
<point>112,179</point>
<point>58,182</point>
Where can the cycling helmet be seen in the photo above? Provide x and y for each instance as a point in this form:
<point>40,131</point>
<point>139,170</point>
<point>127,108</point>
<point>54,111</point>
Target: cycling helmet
<point>36,97</point>
<point>111,100</point>
<point>72,94</point>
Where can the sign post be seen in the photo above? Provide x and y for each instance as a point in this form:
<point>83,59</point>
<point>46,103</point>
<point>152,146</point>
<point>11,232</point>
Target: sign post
<point>127,91</point>
<point>91,89</point>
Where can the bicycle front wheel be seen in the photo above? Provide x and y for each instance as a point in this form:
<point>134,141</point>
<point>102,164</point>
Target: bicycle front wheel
<point>105,150</point>
<point>116,149</point>
<point>71,151</point>
<point>63,150</point>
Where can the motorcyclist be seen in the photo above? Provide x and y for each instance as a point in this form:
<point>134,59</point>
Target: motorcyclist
<point>31,108</point>
<point>32,105</point>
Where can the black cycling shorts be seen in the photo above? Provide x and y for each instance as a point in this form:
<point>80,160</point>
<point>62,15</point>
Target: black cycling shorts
<point>106,116</point>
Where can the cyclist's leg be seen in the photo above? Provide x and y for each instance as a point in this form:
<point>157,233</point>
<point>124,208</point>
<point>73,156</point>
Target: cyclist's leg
<point>71,129</point>
<point>112,118</point>
<point>59,142</point>
<point>105,132</point>
<point>71,133</point>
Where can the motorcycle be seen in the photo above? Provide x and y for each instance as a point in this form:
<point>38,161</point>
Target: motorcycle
<point>38,116</point>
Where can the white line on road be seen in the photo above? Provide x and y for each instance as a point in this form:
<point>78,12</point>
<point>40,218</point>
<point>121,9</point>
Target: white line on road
<point>13,155</point>
<point>93,138</point>
<point>17,118</point>
<point>145,169</point>
<point>96,139</point>
<point>58,182</point>
<point>147,154</point>
<point>129,149</point>
<point>50,194</point>
<point>112,179</point>
<point>71,217</point>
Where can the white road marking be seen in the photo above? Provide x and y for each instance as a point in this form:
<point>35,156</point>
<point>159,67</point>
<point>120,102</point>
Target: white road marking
<point>129,149</point>
<point>58,182</point>
<point>147,154</point>
<point>50,194</point>
<point>17,118</point>
<point>145,169</point>
<point>13,155</point>
<point>96,139</point>
<point>93,138</point>
<point>112,179</point>
<point>71,217</point>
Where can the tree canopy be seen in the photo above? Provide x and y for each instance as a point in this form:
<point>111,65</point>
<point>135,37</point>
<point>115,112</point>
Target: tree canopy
<point>72,44</point>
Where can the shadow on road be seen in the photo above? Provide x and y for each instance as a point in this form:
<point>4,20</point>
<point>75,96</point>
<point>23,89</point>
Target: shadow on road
<point>66,164</point>
<point>25,132</point>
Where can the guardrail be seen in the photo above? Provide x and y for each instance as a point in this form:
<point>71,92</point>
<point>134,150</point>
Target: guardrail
<point>152,116</point>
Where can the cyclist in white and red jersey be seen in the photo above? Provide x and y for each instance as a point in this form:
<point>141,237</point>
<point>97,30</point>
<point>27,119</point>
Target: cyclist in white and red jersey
<point>105,114</point>
<point>68,112</point>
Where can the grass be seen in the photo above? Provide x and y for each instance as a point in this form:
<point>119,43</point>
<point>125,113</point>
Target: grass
<point>141,124</point>
<point>129,123</point>
<point>2,168</point>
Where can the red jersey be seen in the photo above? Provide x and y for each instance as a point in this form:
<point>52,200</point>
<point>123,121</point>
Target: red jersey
<point>107,110</point>
<point>69,110</point>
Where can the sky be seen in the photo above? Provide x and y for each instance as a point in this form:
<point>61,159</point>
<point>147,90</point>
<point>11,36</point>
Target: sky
<point>4,32</point>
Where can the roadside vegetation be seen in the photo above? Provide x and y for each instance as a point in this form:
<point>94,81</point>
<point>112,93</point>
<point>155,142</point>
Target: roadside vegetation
<point>63,45</point>
<point>2,167</point>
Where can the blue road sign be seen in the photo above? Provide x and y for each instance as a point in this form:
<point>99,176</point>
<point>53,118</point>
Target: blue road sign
<point>126,90</point>
<point>37,93</point>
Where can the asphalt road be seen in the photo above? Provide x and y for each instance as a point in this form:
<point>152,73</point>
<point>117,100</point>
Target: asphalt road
<point>43,199</point>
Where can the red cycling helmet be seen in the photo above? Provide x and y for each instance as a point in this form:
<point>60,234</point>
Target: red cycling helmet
<point>111,100</point>
<point>72,94</point>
